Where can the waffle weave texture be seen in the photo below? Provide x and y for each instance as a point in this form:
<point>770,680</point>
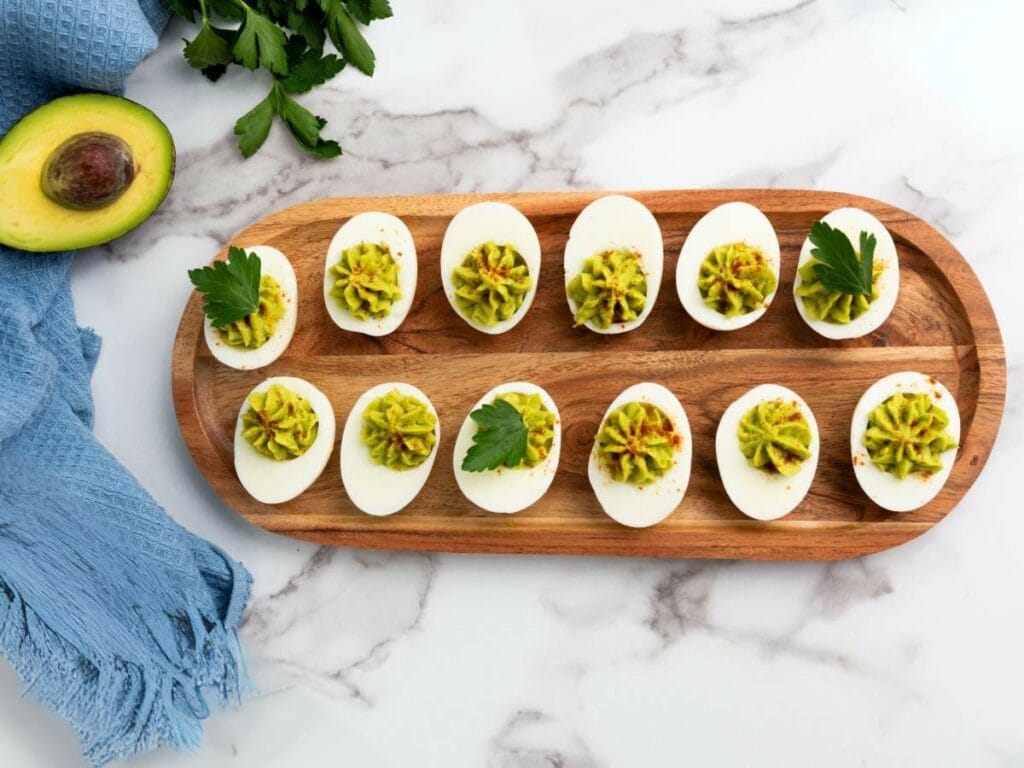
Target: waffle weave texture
<point>113,615</point>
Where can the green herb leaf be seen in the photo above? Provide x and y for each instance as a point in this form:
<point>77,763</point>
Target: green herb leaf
<point>838,267</point>
<point>304,125</point>
<point>254,126</point>
<point>347,38</point>
<point>311,70</point>
<point>185,8</point>
<point>368,10</point>
<point>260,42</point>
<point>211,48</point>
<point>296,59</point>
<point>231,289</point>
<point>500,439</point>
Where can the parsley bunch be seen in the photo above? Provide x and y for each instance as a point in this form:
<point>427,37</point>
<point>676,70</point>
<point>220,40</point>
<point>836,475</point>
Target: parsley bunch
<point>287,38</point>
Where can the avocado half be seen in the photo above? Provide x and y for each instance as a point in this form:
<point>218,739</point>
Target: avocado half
<point>80,171</point>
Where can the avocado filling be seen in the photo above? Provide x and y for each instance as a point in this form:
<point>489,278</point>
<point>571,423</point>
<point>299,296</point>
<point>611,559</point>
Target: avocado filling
<point>832,306</point>
<point>399,431</point>
<point>253,330</point>
<point>637,444</point>
<point>366,281</point>
<point>539,421</point>
<point>279,424</point>
<point>774,436</point>
<point>612,288</point>
<point>491,284</point>
<point>907,434</point>
<point>734,279</point>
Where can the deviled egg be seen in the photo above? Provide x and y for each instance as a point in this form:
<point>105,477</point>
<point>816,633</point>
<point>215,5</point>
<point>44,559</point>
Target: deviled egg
<point>259,338</point>
<point>492,482</point>
<point>836,314</point>
<point>903,440</point>
<point>728,269</point>
<point>614,260</point>
<point>283,438</point>
<point>370,274</point>
<point>767,447</point>
<point>640,463</point>
<point>490,265</point>
<point>388,447</point>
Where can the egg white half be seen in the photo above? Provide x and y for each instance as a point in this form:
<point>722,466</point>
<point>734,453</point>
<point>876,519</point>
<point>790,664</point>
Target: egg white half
<point>276,265</point>
<point>275,482</point>
<point>756,493</point>
<point>887,490</point>
<point>373,227</point>
<point>608,223</point>
<point>481,223</point>
<point>639,506</point>
<point>374,488</point>
<point>729,223</point>
<point>505,490</point>
<point>853,221</point>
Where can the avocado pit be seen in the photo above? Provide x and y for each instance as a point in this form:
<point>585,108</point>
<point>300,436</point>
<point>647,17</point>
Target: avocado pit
<point>88,171</point>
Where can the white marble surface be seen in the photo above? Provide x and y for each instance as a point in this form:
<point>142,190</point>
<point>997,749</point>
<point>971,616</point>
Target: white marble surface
<point>911,657</point>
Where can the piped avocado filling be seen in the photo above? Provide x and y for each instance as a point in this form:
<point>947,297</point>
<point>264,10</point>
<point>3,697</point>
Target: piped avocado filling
<point>637,443</point>
<point>907,434</point>
<point>774,436</point>
<point>491,283</point>
<point>832,306</point>
<point>279,424</point>
<point>734,279</point>
<point>253,330</point>
<point>539,421</point>
<point>366,281</point>
<point>612,288</point>
<point>399,431</point>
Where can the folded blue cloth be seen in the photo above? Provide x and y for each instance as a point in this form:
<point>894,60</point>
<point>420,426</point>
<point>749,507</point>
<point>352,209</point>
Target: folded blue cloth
<point>112,614</point>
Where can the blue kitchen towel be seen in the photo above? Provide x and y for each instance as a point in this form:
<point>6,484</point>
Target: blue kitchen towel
<point>113,615</point>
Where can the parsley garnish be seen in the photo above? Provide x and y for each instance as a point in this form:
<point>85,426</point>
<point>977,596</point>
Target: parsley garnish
<point>286,38</point>
<point>500,439</point>
<point>838,267</point>
<point>231,289</point>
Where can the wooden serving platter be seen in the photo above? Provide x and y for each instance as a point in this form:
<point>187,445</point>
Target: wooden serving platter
<point>943,325</point>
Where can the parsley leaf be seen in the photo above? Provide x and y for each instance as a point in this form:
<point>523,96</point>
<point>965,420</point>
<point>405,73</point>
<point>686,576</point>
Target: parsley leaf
<point>287,38</point>
<point>368,10</point>
<point>311,70</point>
<point>500,439</point>
<point>210,50</point>
<point>838,267</point>
<point>254,126</point>
<point>347,38</point>
<point>260,42</point>
<point>304,125</point>
<point>231,289</point>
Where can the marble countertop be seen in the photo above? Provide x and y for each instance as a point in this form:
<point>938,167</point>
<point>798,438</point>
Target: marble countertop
<point>911,657</point>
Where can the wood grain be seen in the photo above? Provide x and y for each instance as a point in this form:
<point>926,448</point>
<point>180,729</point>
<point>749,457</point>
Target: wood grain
<point>943,325</point>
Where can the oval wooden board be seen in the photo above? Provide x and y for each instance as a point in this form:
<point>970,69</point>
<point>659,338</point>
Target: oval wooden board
<point>943,325</point>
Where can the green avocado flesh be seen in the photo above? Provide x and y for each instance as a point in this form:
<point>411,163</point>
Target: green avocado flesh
<point>80,171</point>
<point>253,330</point>
<point>279,424</point>
<point>399,431</point>
<point>612,288</point>
<point>907,434</point>
<point>491,283</point>
<point>734,279</point>
<point>637,444</point>
<point>774,436</point>
<point>366,281</point>
<point>832,306</point>
<point>540,423</point>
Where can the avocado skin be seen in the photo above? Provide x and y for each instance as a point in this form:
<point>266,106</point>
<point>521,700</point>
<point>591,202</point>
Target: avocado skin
<point>30,220</point>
